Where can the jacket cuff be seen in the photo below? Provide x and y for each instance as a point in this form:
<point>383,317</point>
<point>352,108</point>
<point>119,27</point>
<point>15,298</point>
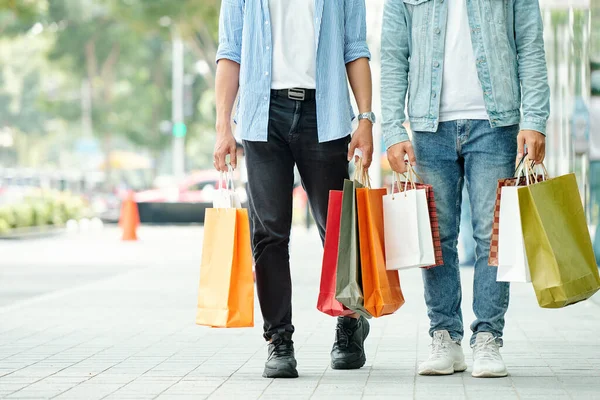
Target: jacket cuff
<point>534,124</point>
<point>394,137</point>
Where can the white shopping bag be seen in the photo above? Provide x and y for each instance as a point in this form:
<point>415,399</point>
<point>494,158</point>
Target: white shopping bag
<point>226,197</point>
<point>407,230</point>
<point>512,259</point>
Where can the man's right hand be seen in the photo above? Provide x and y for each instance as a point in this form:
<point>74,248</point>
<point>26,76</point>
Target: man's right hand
<point>396,154</point>
<point>225,145</point>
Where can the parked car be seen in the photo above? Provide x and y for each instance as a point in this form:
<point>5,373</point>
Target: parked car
<point>198,187</point>
<point>182,203</point>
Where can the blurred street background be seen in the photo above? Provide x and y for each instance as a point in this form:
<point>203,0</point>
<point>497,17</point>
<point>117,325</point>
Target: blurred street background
<point>89,317</point>
<point>105,99</point>
<point>99,97</point>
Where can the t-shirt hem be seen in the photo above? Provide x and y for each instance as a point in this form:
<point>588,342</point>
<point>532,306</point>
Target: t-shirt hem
<point>458,115</point>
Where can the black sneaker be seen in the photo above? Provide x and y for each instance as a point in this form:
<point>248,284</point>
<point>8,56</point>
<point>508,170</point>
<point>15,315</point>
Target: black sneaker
<point>281,362</point>
<point>349,347</point>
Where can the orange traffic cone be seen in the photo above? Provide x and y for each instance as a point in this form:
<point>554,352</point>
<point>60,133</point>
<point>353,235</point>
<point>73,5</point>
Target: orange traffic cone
<point>130,218</point>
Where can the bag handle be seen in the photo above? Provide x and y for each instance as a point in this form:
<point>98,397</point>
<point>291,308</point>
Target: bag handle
<point>411,170</point>
<point>528,167</point>
<point>409,176</point>
<point>545,174</point>
<point>524,169</point>
<point>227,178</point>
<point>361,174</point>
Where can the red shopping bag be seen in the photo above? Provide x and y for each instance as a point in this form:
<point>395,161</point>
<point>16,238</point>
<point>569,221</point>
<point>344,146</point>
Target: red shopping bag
<point>327,302</point>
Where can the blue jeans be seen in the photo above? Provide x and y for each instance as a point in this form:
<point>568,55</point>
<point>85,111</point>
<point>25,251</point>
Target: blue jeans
<point>468,151</point>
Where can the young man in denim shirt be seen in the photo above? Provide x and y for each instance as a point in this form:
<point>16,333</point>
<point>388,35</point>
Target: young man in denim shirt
<point>475,75</point>
<point>290,61</point>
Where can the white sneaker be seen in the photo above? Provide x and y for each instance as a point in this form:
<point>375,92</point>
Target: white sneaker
<point>446,356</point>
<point>487,361</point>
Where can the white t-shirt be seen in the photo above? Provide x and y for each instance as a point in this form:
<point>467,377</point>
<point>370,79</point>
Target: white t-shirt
<point>294,48</point>
<point>462,96</point>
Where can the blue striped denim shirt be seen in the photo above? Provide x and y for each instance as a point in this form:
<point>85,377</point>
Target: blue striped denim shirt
<point>245,38</point>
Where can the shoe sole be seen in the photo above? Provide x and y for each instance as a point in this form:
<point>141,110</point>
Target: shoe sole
<point>358,363</point>
<point>488,374</point>
<point>438,372</point>
<point>288,372</point>
<point>353,365</point>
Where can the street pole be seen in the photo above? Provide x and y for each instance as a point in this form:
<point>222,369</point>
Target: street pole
<point>177,112</point>
<point>86,109</point>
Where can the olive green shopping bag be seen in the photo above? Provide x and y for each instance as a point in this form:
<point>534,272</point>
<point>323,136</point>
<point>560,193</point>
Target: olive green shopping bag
<point>348,288</point>
<point>557,241</point>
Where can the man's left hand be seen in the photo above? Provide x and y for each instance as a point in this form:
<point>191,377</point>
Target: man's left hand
<point>363,140</point>
<point>536,146</point>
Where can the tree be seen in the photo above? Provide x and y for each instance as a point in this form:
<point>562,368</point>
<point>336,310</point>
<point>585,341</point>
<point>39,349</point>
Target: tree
<point>122,48</point>
<point>196,20</point>
<point>26,82</point>
<point>98,48</point>
<point>19,16</point>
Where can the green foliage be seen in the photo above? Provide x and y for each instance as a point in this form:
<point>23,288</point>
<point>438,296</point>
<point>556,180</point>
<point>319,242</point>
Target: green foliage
<point>123,49</point>
<point>41,209</point>
<point>4,227</point>
<point>18,16</point>
<point>7,215</point>
<point>24,215</point>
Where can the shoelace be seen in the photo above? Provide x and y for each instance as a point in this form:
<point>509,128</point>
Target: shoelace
<point>282,348</point>
<point>487,350</point>
<point>343,336</point>
<point>439,349</point>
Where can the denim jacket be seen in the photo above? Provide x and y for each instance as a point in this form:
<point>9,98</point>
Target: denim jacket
<point>508,44</point>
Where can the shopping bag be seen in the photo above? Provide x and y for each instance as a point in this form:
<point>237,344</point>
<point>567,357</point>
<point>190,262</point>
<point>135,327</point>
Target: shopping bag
<point>557,242</point>
<point>523,174</point>
<point>435,226</point>
<point>433,219</point>
<point>512,259</point>
<point>327,302</point>
<point>381,288</point>
<point>225,196</point>
<point>597,244</point>
<point>226,291</point>
<point>348,288</point>
<point>408,235</point>
<point>494,242</point>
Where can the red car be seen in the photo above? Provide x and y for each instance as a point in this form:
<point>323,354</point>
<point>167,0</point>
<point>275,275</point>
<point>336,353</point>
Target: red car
<point>198,187</point>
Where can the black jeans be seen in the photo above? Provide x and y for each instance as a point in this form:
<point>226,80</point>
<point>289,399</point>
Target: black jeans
<point>292,140</point>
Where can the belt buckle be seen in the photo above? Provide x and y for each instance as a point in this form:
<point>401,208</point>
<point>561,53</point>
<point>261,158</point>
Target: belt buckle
<point>297,94</point>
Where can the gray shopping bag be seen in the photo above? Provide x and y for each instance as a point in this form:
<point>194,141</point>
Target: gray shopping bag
<point>348,289</point>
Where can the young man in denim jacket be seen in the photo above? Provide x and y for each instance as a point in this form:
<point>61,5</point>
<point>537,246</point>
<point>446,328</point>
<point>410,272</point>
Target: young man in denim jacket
<point>290,61</point>
<point>476,79</point>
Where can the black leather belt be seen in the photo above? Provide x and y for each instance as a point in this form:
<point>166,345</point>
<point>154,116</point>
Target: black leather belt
<point>295,94</point>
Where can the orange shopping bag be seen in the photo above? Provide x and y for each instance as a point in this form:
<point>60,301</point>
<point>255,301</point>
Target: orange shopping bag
<point>381,288</point>
<point>226,293</point>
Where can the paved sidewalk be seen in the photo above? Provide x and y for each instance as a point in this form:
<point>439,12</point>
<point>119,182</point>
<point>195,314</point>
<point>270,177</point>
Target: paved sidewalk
<point>119,324</point>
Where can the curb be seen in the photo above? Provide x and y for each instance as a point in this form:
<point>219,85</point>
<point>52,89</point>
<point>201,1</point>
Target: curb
<point>33,233</point>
